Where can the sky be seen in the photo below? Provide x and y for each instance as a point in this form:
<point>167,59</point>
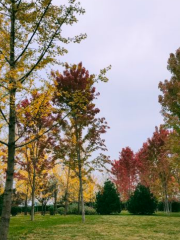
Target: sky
<point>136,38</point>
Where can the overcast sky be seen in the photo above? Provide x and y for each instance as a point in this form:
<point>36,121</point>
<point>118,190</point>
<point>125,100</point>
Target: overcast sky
<point>136,38</point>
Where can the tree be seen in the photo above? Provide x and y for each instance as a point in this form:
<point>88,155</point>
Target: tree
<point>108,199</point>
<point>155,169</point>
<point>35,117</point>
<point>68,183</point>
<point>23,187</point>
<point>170,103</point>
<point>169,99</point>
<point>124,173</point>
<point>142,201</point>
<point>75,92</point>
<point>29,35</point>
<point>45,192</point>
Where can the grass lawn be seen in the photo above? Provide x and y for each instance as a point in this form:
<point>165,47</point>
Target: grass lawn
<point>114,227</point>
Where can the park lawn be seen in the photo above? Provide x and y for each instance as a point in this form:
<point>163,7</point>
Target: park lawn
<point>113,227</point>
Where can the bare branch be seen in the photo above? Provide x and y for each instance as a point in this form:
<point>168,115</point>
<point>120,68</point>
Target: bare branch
<point>44,51</point>
<point>35,30</point>
<point>39,60</point>
<point>4,88</point>
<point>7,60</point>
<point>20,136</point>
<point>1,111</point>
<point>4,6</point>
<point>5,14</point>
<point>19,4</point>
<point>4,143</point>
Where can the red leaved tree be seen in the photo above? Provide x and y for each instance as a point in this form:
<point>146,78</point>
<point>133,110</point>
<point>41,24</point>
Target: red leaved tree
<point>124,173</point>
<point>75,93</point>
<point>154,165</point>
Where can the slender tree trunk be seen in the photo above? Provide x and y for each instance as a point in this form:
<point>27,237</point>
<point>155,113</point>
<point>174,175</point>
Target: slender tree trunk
<point>67,193</point>
<point>55,201</point>
<point>42,208</point>
<point>166,202</point>
<point>6,211</point>
<point>81,186</point>
<point>25,209</point>
<point>81,194</point>
<point>80,170</point>
<point>79,199</point>
<point>33,196</point>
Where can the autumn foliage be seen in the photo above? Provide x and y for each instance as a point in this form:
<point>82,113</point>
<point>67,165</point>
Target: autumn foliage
<point>124,173</point>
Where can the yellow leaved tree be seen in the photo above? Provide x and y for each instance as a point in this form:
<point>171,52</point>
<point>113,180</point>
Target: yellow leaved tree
<point>68,185</point>
<point>30,39</point>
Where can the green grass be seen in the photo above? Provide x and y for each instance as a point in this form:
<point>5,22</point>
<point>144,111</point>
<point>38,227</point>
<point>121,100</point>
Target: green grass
<point>114,227</point>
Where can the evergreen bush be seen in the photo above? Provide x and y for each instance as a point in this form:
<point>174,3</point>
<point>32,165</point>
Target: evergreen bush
<point>108,200</point>
<point>175,206</point>
<point>142,201</point>
<point>51,210</point>
<point>14,210</point>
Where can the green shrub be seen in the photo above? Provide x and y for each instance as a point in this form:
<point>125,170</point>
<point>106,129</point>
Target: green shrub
<point>160,206</point>
<point>61,210</point>
<point>14,210</point>
<point>142,201</point>
<point>29,210</point>
<point>1,203</point>
<point>51,210</point>
<point>124,205</point>
<point>175,206</point>
<point>108,200</point>
<point>90,211</point>
<point>73,209</point>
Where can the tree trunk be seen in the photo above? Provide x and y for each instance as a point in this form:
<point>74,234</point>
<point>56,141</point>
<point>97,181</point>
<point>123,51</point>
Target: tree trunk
<point>81,187</point>
<point>42,208</point>
<point>81,195</point>
<point>79,200</point>
<point>66,193</point>
<point>33,196</point>
<point>6,210</point>
<point>80,170</point>
<point>25,209</point>
<point>55,201</point>
<point>166,202</point>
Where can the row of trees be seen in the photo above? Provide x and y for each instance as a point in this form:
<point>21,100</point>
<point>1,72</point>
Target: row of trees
<point>157,164</point>
<point>58,119</point>
<point>60,125</point>
<point>60,187</point>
